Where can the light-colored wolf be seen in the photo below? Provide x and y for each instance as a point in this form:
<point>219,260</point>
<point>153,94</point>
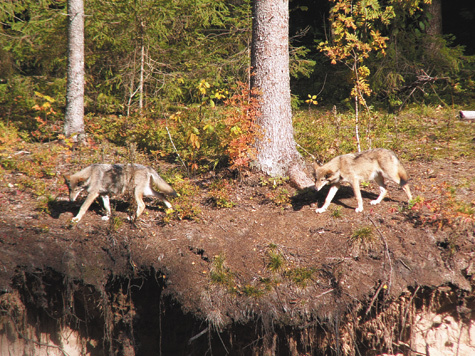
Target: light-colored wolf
<point>116,179</point>
<point>353,168</point>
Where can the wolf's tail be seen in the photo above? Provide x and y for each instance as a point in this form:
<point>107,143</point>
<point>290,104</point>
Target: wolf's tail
<point>163,186</point>
<point>403,177</point>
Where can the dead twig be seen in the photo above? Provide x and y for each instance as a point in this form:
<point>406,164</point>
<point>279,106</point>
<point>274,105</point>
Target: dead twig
<point>386,252</point>
<point>176,151</point>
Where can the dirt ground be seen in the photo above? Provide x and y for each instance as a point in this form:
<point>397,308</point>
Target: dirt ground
<point>404,249</point>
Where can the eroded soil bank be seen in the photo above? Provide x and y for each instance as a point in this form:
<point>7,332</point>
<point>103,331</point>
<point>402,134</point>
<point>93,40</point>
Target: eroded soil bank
<point>257,278</point>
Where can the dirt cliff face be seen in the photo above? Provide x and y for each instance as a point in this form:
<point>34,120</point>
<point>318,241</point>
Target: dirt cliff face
<point>267,275</point>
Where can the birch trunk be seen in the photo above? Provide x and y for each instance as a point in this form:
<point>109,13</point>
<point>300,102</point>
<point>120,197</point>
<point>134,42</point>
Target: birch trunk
<point>277,154</point>
<point>74,116</point>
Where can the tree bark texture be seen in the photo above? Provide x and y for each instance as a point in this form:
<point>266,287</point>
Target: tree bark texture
<point>74,116</point>
<point>434,27</point>
<point>276,148</point>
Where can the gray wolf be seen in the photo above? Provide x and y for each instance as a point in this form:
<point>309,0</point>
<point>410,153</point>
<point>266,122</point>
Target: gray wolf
<point>115,179</point>
<point>376,164</point>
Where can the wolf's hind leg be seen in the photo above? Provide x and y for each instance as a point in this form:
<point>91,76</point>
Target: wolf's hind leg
<point>140,203</point>
<point>382,189</point>
<point>407,190</point>
<point>162,198</point>
<point>107,206</point>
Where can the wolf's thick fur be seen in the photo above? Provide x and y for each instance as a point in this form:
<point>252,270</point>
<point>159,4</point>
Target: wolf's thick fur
<point>353,168</point>
<point>116,179</point>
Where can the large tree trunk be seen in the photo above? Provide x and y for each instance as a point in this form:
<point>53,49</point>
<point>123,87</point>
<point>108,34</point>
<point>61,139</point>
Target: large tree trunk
<point>277,154</point>
<point>434,27</point>
<point>74,117</point>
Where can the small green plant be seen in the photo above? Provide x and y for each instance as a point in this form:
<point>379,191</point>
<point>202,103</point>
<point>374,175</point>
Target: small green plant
<point>312,100</point>
<point>279,196</point>
<point>336,213</point>
<point>115,223</point>
<point>184,207</point>
<point>252,291</point>
<point>44,202</point>
<point>416,201</point>
<point>275,259</point>
<point>273,182</point>
<point>363,234</point>
<point>300,276</point>
<point>220,274</point>
<point>365,184</point>
<point>220,193</point>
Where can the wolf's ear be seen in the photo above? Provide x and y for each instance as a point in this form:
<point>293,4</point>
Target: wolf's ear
<point>316,165</point>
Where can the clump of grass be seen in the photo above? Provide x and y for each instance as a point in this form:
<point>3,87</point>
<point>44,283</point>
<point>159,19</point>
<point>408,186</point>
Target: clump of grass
<point>275,259</point>
<point>252,291</point>
<point>220,193</point>
<point>363,235</point>
<point>44,203</point>
<point>221,274</point>
<point>184,206</point>
<point>336,213</point>
<point>115,223</point>
<point>300,276</point>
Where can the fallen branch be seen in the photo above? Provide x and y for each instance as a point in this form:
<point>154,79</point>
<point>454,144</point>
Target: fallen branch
<point>467,115</point>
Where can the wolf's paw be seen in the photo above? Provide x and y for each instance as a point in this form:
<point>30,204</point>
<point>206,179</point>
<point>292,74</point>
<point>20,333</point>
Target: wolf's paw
<point>374,202</point>
<point>75,220</point>
<point>359,210</point>
<point>105,218</point>
<point>320,210</point>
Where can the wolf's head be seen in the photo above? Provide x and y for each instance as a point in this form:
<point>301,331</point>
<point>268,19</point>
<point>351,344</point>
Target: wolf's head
<point>75,186</point>
<point>323,176</point>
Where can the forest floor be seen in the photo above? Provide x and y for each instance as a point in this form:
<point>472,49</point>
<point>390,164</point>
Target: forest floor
<point>269,254</point>
<point>427,244</point>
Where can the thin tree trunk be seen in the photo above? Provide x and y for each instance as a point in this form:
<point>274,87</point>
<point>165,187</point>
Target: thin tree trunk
<point>277,154</point>
<point>141,85</point>
<point>74,116</point>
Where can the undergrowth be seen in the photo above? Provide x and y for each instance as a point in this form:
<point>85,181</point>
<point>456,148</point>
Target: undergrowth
<point>198,139</point>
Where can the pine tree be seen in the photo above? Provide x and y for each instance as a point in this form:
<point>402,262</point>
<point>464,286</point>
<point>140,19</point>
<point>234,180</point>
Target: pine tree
<point>277,154</point>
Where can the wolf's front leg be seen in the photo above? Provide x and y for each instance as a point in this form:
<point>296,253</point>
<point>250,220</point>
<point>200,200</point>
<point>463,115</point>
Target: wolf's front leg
<point>87,203</point>
<point>328,200</point>
<point>382,194</point>
<point>359,199</point>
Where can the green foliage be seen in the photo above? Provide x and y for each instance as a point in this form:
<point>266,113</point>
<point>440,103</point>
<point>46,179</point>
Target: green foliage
<point>202,137</point>
<point>427,132</point>
<point>355,36</point>
<point>184,206</point>
<point>362,234</point>
<point>336,213</point>
<point>275,259</point>
<point>300,276</point>
<point>164,43</point>
<point>221,274</point>
<point>219,192</point>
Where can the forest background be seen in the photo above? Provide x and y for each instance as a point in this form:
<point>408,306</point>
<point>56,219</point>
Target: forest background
<point>172,76</point>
